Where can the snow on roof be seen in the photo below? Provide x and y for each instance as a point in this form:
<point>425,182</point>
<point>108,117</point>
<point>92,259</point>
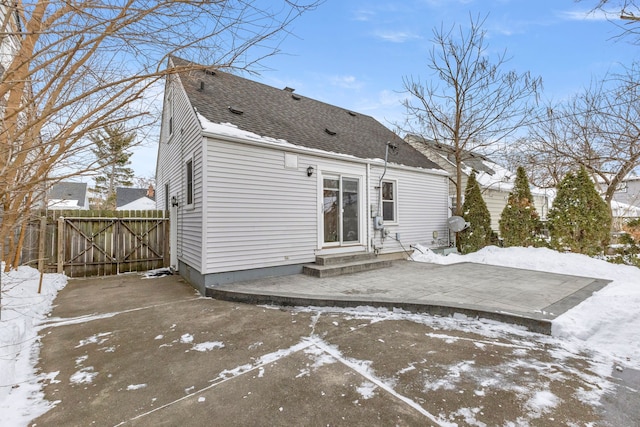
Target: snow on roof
<point>64,204</point>
<point>233,131</point>
<point>488,173</point>
<point>262,110</point>
<point>624,210</point>
<point>71,191</point>
<point>141,204</point>
<point>499,179</point>
<point>631,176</point>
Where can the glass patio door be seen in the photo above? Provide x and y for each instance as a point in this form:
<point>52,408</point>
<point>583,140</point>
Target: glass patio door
<point>341,222</point>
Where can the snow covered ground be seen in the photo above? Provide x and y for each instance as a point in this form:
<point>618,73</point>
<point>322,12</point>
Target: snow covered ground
<point>22,309</point>
<point>608,322</point>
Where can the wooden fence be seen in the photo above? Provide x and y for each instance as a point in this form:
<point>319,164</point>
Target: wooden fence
<point>97,243</point>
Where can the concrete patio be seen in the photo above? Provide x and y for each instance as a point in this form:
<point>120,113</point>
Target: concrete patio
<point>523,297</point>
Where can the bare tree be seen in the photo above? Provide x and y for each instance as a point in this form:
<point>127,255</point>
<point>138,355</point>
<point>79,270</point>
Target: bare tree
<point>629,14</point>
<point>471,103</point>
<point>598,128</point>
<point>75,67</point>
<point>540,151</point>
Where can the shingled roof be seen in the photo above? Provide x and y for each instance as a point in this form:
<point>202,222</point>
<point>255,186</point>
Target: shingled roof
<point>126,195</point>
<point>282,114</point>
<point>66,190</point>
<point>475,161</point>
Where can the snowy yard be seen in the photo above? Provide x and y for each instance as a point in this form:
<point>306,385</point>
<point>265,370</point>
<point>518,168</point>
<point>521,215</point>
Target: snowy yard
<point>607,323</point>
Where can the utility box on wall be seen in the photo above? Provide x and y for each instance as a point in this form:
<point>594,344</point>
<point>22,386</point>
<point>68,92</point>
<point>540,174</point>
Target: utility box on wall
<point>378,223</point>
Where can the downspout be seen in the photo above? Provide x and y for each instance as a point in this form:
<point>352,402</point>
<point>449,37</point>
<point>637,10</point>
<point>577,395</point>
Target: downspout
<point>386,157</point>
<point>388,146</point>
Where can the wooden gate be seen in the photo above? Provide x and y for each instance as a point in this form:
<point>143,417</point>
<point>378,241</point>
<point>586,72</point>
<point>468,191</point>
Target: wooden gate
<point>104,246</point>
<point>111,242</point>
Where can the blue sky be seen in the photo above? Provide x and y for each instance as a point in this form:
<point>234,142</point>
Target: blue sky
<point>355,53</point>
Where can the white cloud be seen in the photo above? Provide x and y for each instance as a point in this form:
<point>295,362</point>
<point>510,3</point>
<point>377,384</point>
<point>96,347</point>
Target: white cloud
<point>396,36</point>
<point>364,15</point>
<point>589,15</point>
<point>386,107</point>
<point>347,82</point>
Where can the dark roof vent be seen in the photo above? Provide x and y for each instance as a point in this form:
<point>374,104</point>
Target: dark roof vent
<point>201,88</point>
<point>352,114</point>
<point>210,72</point>
<point>289,89</point>
<point>296,97</point>
<point>236,111</point>
<point>329,132</point>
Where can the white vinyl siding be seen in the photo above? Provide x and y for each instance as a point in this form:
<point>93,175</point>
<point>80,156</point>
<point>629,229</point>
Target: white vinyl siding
<point>497,200</point>
<point>184,143</point>
<point>389,202</point>
<point>422,209</point>
<point>259,212</point>
<point>189,180</point>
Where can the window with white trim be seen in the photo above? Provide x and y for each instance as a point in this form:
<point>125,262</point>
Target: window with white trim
<point>170,109</point>
<point>389,201</point>
<point>189,181</point>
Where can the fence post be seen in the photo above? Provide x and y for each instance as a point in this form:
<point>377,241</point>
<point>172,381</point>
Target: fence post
<point>60,245</point>
<point>41,243</point>
<point>119,246</point>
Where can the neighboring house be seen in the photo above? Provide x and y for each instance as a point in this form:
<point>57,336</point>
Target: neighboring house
<point>9,34</point>
<point>627,198</point>
<point>495,181</point>
<point>625,204</point>
<point>68,195</point>
<point>260,180</point>
<point>623,210</point>
<point>130,199</point>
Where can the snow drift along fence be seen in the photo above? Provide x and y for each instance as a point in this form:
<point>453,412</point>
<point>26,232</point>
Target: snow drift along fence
<point>97,243</point>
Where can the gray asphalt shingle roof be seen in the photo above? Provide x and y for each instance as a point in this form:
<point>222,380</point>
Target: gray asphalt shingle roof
<point>475,161</point>
<point>69,191</point>
<point>125,195</point>
<point>302,121</point>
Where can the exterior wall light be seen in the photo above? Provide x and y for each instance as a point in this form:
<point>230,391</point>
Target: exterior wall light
<point>174,201</point>
<point>310,171</point>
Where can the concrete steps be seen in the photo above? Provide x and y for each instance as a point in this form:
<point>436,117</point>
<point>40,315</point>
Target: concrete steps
<point>337,265</point>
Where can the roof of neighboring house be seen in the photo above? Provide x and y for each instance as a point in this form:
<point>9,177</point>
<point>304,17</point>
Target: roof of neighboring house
<point>624,210</point>
<point>281,114</point>
<point>631,176</point>
<point>488,173</point>
<point>470,160</point>
<point>126,195</point>
<point>66,191</point>
<point>142,204</point>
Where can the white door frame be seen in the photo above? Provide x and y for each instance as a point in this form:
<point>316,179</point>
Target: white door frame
<point>361,193</point>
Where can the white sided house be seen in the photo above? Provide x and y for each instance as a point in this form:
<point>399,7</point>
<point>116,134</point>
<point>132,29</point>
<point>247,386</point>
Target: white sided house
<point>260,180</point>
<point>495,181</point>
